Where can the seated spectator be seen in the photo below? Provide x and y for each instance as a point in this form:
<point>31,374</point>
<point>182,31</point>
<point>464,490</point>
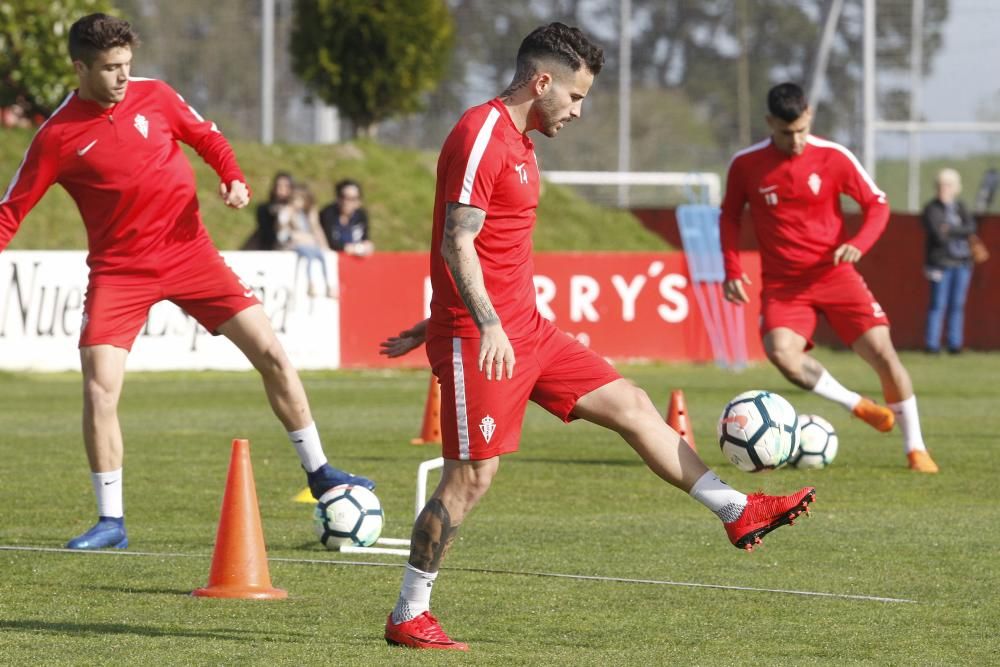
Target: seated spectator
<point>267,214</point>
<point>345,222</point>
<point>299,230</point>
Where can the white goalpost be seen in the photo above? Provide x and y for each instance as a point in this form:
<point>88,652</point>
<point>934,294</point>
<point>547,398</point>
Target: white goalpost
<point>706,186</point>
<point>698,223</point>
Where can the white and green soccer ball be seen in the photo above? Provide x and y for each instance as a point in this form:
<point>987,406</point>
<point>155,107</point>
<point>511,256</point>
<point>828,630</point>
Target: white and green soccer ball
<point>817,445</point>
<point>758,431</point>
<point>348,515</point>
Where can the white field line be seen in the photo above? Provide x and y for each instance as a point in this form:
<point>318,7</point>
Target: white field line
<point>557,575</point>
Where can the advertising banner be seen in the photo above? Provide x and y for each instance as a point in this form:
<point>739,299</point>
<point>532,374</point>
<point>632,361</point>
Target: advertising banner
<point>623,305</point>
<point>41,306</point>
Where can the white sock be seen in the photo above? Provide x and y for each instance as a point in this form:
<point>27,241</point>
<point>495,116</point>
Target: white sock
<point>716,495</point>
<point>108,489</point>
<point>909,424</point>
<point>414,595</point>
<point>828,387</point>
<point>308,446</point>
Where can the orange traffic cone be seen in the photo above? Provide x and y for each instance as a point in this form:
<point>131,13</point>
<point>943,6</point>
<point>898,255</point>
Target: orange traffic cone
<point>430,431</point>
<point>239,564</point>
<point>677,417</point>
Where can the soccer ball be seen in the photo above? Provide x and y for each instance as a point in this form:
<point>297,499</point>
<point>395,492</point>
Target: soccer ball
<point>758,431</point>
<point>817,444</point>
<point>348,514</point>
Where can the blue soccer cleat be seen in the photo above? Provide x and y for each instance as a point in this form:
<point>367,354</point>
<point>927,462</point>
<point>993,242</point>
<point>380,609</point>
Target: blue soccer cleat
<point>107,533</point>
<point>326,477</point>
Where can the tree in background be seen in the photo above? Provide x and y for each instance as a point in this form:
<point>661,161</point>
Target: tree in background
<point>696,46</point>
<point>35,70</point>
<point>209,53</point>
<point>688,58</point>
<point>372,60</point>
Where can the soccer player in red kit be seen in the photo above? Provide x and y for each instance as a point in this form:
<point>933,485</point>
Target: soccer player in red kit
<point>493,352</point>
<point>792,183</point>
<point>113,145</point>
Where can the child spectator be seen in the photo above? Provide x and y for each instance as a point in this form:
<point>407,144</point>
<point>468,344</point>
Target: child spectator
<point>299,230</point>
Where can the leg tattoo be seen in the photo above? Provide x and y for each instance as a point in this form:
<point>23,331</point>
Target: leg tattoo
<point>432,536</point>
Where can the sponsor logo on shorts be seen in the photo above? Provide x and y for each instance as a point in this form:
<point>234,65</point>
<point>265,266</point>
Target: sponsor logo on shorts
<point>487,425</point>
<point>877,310</point>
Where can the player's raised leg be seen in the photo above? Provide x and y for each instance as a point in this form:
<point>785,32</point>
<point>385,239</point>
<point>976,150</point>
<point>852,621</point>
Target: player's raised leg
<point>627,410</point>
<point>103,375</point>
<point>875,346</point>
<point>251,331</point>
<point>463,484</point>
<point>786,349</point>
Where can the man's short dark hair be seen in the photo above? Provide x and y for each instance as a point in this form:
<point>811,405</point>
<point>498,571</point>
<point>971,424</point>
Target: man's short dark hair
<point>787,101</point>
<point>99,32</point>
<point>559,42</point>
<point>344,184</point>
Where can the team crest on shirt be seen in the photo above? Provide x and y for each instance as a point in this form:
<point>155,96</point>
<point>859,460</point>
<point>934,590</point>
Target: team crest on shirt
<point>142,125</point>
<point>487,426</point>
<point>815,182</point>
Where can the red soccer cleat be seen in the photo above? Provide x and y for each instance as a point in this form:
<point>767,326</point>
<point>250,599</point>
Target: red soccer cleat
<point>763,514</point>
<point>423,631</point>
<point>877,416</point>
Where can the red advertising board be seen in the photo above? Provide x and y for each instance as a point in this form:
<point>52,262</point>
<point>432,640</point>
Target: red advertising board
<point>623,305</point>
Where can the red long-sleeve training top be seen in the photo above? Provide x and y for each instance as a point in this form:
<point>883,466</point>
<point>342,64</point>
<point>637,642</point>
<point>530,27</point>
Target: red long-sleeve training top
<point>128,176</point>
<point>795,208</point>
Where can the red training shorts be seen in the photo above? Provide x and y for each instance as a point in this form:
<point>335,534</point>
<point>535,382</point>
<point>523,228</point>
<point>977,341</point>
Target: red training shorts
<point>205,288</point>
<point>482,418</point>
<point>841,296</point>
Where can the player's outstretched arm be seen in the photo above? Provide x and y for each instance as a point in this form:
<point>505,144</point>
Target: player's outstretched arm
<point>405,342</point>
<point>36,173</point>
<point>461,227</point>
<point>734,291</point>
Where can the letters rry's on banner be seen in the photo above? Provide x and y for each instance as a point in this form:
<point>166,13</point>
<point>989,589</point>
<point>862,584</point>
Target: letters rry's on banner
<point>623,305</point>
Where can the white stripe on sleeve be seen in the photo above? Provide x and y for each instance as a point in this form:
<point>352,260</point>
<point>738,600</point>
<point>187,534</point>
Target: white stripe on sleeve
<point>478,149</point>
<point>823,143</point>
<point>215,128</point>
<point>17,174</point>
<point>760,145</point>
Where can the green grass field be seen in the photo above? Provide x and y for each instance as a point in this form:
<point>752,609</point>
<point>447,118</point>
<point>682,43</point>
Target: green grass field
<point>575,501</point>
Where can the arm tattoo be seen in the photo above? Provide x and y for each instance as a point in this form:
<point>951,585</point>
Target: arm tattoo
<point>432,536</point>
<point>462,225</point>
